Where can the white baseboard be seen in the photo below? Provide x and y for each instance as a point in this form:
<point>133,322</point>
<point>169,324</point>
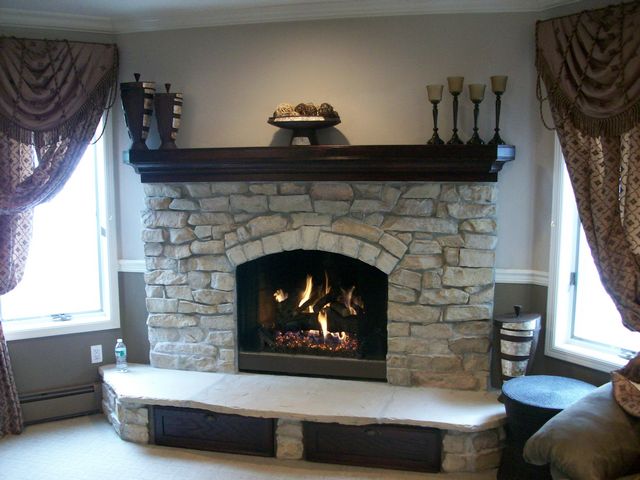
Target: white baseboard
<point>503,275</point>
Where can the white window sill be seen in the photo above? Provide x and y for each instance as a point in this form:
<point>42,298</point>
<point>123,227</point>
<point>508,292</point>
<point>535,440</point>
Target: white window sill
<point>581,353</point>
<point>46,327</point>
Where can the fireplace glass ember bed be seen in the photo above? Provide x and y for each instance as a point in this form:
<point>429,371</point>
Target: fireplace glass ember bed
<point>312,313</point>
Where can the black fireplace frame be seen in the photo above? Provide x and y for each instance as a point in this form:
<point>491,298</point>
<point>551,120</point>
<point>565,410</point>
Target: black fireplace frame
<point>251,359</point>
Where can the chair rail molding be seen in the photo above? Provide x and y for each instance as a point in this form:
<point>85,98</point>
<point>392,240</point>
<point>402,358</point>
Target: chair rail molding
<point>503,275</point>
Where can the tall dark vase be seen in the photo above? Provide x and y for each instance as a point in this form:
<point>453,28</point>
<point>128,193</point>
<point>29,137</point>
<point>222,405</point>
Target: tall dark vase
<point>137,103</point>
<point>168,113</point>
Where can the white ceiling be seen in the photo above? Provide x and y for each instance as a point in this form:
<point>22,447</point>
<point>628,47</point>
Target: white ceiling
<point>119,16</point>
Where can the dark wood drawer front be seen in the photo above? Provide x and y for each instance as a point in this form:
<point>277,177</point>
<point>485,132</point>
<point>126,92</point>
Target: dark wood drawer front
<point>386,446</point>
<point>204,430</point>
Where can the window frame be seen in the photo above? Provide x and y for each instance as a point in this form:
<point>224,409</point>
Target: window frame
<point>109,317</point>
<point>559,341</point>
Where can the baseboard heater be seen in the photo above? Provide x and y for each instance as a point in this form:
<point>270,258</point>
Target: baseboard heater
<point>60,403</point>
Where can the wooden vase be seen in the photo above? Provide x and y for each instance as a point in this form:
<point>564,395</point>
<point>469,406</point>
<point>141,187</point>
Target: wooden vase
<point>137,104</point>
<point>168,113</point>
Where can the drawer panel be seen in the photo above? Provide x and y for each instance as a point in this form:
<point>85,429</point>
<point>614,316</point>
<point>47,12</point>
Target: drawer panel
<point>387,446</point>
<point>205,430</point>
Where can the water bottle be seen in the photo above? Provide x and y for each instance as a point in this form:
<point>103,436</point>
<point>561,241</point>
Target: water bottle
<point>121,356</point>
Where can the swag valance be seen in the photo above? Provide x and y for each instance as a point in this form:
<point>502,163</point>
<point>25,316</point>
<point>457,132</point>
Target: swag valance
<point>48,87</point>
<point>52,96</point>
<point>590,65</point>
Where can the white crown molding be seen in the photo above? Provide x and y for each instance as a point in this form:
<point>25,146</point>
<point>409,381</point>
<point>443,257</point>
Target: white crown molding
<point>503,275</point>
<point>549,4</point>
<point>11,17</point>
<point>328,11</point>
<point>318,10</point>
<point>532,277</point>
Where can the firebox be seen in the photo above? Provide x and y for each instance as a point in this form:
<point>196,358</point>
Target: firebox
<point>312,313</point>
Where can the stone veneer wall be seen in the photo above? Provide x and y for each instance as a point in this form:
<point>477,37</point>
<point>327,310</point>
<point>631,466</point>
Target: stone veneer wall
<point>436,242</point>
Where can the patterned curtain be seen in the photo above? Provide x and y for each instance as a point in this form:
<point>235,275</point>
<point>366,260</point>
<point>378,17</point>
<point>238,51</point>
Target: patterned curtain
<point>52,96</point>
<point>590,65</point>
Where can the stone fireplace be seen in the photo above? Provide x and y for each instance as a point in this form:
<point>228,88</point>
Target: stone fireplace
<point>433,242</point>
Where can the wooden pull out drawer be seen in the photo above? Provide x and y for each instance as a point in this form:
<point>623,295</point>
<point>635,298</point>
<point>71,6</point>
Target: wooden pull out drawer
<point>387,446</point>
<point>205,430</point>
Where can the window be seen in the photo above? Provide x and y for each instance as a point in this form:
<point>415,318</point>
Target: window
<point>584,325</point>
<point>69,284</point>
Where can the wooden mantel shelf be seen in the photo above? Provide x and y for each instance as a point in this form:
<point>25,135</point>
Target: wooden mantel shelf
<point>476,163</point>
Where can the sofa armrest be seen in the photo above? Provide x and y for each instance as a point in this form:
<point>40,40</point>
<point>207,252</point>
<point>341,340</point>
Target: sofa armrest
<point>593,439</point>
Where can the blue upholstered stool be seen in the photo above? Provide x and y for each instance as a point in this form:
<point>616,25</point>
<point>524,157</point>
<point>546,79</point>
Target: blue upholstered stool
<point>529,402</point>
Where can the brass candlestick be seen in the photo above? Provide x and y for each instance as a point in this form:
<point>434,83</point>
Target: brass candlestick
<point>434,92</point>
<point>498,86</point>
<point>455,88</point>
<point>476,94</point>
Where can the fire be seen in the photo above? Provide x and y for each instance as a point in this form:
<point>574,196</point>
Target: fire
<point>330,309</point>
<point>327,287</point>
<point>347,300</point>
<point>306,295</point>
<point>280,295</point>
<point>322,320</point>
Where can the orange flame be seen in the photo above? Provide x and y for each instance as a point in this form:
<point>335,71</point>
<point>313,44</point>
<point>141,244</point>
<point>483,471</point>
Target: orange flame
<point>327,287</point>
<point>346,300</point>
<point>322,320</point>
<point>280,295</point>
<point>306,295</point>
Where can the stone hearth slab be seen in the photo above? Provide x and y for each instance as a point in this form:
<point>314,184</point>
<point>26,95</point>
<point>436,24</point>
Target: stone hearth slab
<point>307,399</point>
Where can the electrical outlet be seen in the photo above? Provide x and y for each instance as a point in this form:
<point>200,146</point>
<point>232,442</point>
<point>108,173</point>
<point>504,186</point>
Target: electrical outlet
<point>96,353</point>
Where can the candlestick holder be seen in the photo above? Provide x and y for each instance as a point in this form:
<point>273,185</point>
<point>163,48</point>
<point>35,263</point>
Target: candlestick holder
<point>455,88</point>
<point>434,93</point>
<point>498,87</point>
<point>476,93</point>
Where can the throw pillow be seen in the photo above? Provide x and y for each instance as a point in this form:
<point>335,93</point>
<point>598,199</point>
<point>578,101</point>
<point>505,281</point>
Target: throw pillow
<point>626,393</point>
<point>593,439</point>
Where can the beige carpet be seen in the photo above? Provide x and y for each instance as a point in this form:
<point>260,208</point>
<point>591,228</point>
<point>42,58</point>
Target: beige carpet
<point>87,448</point>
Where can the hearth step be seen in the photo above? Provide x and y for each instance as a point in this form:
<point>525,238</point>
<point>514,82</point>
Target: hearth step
<point>363,423</point>
<point>206,430</point>
<point>386,446</point>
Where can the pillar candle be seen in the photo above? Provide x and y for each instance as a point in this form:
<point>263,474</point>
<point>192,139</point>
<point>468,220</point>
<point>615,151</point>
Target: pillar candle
<point>498,83</point>
<point>434,92</point>
<point>476,92</point>
<point>455,84</point>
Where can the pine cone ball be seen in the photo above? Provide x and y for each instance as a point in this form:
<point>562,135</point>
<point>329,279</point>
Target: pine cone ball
<point>311,109</point>
<point>284,110</point>
<point>326,110</point>
<point>301,109</point>
<point>307,109</point>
